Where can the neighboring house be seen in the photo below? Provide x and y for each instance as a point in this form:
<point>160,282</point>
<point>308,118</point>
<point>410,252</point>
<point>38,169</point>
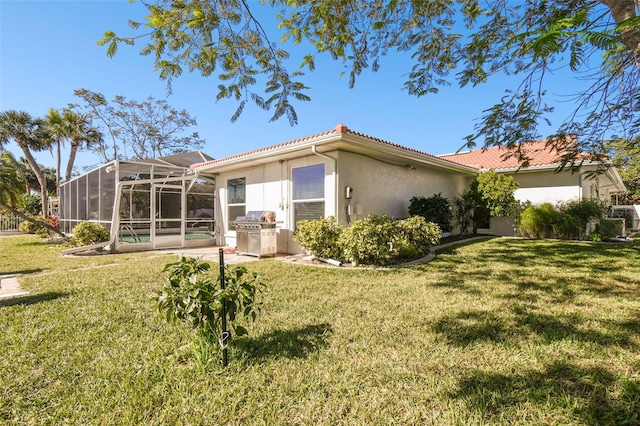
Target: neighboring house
<point>308,178</point>
<point>542,181</point>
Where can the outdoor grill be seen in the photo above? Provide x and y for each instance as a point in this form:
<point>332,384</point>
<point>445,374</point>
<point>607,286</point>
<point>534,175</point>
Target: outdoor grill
<point>256,233</point>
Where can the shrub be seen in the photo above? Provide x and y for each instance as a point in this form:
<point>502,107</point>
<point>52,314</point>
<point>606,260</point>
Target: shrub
<point>320,237</point>
<point>33,226</point>
<point>463,211</point>
<point>370,241</point>
<point>566,221</point>
<point>575,216</point>
<point>417,236</point>
<point>607,229</point>
<point>538,221</point>
<point>435,209</point>
<point>87,233</point>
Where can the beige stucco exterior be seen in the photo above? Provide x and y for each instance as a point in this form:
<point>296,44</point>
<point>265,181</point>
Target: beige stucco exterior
<point>377,188</point>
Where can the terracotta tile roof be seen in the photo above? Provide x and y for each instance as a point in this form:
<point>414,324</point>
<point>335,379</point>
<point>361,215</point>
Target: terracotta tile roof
<point>538,152</point>
<point>337,130</point>
<point>265,149</point>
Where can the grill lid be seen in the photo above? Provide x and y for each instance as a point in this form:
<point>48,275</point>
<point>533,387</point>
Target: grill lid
<point>258,216</point>
<point>256,219</point>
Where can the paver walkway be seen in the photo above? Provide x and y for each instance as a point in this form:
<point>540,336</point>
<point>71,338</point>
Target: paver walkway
<point>10,287</point>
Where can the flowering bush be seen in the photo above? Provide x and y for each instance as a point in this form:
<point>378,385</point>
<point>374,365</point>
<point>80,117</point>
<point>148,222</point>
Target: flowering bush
<point>53,221</point>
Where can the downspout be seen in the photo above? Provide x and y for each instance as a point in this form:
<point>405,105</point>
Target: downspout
<point>335,172</point>
<point>580,186</point>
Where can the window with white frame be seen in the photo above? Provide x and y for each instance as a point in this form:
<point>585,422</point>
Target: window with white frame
<point>308,193</point>
<point>236,202</point>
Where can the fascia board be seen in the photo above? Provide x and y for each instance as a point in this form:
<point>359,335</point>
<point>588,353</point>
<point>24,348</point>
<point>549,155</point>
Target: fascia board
<point>536,168</point>
<point>265,155</point>
<point>403,153</point>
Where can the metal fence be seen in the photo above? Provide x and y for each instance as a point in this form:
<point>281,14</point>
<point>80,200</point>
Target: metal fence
<point>10,223</point>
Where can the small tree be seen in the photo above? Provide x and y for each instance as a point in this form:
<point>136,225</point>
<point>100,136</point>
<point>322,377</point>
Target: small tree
<point>490,195</point>
<point>496,191</point>
<point>192,295</point>
<point>463,208</point>
<point>11,191</point>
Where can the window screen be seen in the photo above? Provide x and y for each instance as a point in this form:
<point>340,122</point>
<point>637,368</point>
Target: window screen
<point>235,199</point>
<point>308,182</point>
<point>308,193</point>
<point>235,191</point>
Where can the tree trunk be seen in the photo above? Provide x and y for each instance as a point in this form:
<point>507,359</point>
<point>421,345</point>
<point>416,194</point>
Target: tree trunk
<point>58,170</point>
<point>39,175</point>
<point>72,159</point>
<point>29,219</point>
<point>622,10</point>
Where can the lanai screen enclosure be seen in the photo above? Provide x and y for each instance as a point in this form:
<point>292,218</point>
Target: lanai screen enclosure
<point>151,204</point>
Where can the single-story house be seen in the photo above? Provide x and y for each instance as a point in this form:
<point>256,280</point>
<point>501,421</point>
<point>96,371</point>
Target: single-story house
<point>341,173</point>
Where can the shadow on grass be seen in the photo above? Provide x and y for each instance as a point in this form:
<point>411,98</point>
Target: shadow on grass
<point>32,299</point>
<point>468,327</point>
<point>522,252</point>
<point>22,272</point>
<point>559,327</point>
<point>553,271</point>
<point>295,343</point>
<point>590,395</point>
<point>38,243</point>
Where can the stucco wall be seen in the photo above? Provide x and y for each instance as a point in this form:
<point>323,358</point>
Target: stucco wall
<point>547,186</point>
<point>380,188</point>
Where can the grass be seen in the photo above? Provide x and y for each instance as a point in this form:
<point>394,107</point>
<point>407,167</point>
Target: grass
<point>503,331</point>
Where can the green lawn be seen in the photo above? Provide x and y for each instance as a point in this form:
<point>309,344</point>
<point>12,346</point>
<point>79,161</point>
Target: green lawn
<point>503,331</point>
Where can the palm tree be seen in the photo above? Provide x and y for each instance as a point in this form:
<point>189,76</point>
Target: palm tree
<point>74,127</point>
<point>58,132</point>
<point>11,188</point>
<point>28,133</point>
<point>82,134</point>
<point>11,184</point>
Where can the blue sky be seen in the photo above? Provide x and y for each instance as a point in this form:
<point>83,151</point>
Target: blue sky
<point>48,49</point>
